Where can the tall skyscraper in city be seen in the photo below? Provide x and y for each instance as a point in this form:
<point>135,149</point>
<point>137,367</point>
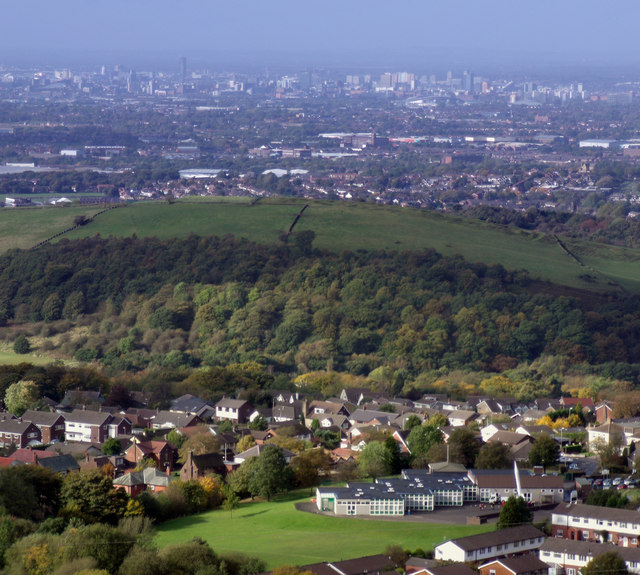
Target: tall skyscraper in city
<point>467,81</point>
<point>183,68</point>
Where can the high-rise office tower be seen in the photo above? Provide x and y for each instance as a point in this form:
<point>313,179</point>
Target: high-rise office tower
<point>183,67</point>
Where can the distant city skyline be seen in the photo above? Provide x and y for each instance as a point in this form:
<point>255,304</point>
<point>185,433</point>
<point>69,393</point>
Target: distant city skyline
<point>416,33</point>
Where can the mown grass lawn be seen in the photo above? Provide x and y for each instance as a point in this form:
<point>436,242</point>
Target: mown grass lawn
<point>279,534</point>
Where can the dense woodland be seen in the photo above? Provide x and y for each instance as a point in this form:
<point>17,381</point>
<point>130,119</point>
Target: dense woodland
<point>399,321</point>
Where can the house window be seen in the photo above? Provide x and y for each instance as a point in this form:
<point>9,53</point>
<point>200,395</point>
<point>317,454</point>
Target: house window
<point>559,533</point>
<point>571,571</point>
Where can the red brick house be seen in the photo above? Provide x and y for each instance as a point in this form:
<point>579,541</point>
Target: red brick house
<point>136,482</point>
<point>50,424</point>
<point>19,433</point>
<point>197,466</point>
<point>525,565</point>
<point>161,452</point>
<point>604,412</point>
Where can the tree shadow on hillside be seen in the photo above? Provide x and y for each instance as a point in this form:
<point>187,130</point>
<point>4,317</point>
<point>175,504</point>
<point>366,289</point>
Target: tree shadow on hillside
<point>254,514</point>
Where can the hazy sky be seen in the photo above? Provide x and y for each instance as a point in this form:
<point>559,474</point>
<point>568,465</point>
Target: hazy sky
<point>368,32</point>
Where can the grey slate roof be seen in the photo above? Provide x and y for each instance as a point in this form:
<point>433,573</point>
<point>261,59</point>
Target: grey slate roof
<point>500,537</point>
<point>148,476</point>
<point>559,545</point>
<point>596,512</point>
<point>168,419</point>
<point>60,464</point>
<point>189,404</point>
<point>47,418</point>
<point>231,403</point>
<point>14,426</point>
<point>88,417</point>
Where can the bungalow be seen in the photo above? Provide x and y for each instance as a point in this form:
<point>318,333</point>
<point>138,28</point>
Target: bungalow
<point>191,404</point>
<point>60,464</point>
<point>512,541</point>
<point>572,556</point>
<point>257,450</point>
<point>525,565</point>
<point>235,410</point>
<point>461,417</point>
<point>136,482</point>
<point>371,417</point>
<point>169,420</point>
<point>19,433</point>
<point>51,425</point>
<point>585,402</point>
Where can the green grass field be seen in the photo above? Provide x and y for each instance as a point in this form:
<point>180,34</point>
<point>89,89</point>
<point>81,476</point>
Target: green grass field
<point>343,226</point>
<point>279,534</point>
<point>25,227</point>
<point>9,357</point>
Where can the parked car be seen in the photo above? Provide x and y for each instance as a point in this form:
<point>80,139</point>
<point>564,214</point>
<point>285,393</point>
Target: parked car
<point>617,481</point>
<point>597,483</point>
<point>606,484</point>
<point>621,486</point>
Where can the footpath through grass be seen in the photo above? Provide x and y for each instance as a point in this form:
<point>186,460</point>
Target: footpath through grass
<point>279,534</point>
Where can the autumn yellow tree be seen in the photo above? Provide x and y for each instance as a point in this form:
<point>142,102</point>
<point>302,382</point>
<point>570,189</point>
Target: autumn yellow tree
<point>213,489</point>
